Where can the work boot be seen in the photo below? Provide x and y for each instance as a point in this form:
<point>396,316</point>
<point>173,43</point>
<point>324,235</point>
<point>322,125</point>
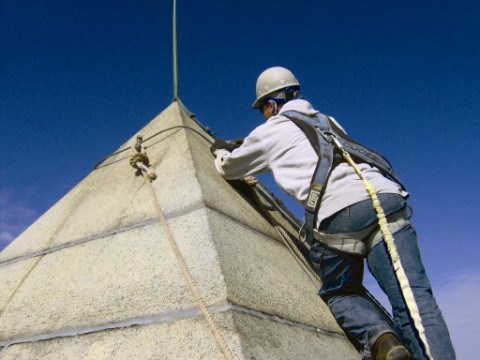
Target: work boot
<point>389,347</point>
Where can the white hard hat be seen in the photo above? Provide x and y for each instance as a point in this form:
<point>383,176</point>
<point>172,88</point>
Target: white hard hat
<point>272,80</point>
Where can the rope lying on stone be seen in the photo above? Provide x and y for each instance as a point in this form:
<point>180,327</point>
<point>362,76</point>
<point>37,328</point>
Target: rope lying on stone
<point>141,164</point>
<point>256,190</point>
<point>284,235</point>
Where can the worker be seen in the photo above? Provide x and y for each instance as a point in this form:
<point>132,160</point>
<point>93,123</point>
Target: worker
<point>281,146</point>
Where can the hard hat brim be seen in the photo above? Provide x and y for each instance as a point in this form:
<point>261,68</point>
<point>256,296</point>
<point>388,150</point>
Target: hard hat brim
<point>257,102</point>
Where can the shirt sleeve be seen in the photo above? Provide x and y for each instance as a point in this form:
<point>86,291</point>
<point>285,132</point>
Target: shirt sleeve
<point>248,159</point>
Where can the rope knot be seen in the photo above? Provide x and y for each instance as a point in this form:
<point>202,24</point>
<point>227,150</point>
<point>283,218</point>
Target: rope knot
<point>140,160</point>
<point>139,157</point>
<point>250,180</point>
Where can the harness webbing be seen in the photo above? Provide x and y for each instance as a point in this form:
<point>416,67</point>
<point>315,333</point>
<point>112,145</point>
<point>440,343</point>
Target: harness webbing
<point>319,130</point>
<point>323,138</point>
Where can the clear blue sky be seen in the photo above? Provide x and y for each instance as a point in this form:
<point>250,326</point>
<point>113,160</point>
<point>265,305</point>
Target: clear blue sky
<point>78,78</point>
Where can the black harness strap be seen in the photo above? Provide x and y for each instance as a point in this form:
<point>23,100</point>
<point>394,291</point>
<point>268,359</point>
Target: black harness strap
<point>319,131</point>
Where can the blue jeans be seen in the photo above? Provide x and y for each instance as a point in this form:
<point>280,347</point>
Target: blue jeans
<point>342,275</point>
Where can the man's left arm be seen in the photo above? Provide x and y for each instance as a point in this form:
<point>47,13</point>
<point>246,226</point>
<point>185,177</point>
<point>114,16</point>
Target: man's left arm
<point>238,158</point>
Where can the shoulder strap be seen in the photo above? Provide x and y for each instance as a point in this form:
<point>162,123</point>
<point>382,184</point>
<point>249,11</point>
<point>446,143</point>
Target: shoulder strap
<point>366,154</point>
<point>316,130</point>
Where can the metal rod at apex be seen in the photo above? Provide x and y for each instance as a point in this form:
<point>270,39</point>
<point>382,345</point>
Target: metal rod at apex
<point>175,57</point>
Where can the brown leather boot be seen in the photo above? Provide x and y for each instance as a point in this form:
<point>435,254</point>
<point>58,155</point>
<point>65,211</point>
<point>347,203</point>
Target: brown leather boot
<point>389,347</point>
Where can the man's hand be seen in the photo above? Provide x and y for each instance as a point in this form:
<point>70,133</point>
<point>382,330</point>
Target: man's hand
<point>250,180</point>
<point>235,143</point>
<point>229,145</point>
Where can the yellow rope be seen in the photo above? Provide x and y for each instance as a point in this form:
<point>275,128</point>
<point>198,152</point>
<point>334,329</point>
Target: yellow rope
<point>393,251</point>
<point>227,352</point>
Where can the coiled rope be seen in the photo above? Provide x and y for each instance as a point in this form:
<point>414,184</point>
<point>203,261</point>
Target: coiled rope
<point>392,250</point>
<point>141,162</point>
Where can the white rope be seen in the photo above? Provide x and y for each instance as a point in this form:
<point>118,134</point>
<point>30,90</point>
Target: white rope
<point>149,176</point>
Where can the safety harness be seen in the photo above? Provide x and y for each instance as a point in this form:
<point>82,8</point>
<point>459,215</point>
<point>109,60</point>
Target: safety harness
<point>323,134</point>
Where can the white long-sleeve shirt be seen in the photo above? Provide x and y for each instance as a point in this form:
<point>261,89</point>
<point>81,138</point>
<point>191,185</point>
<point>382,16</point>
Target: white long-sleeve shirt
<point>280,146</point>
